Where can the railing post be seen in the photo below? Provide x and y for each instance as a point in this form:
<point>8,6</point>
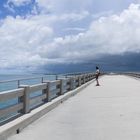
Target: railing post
<point>79,81</point>
<point>93,76</point>
<point>90,77</point>
<point>46,91</point>
<point>84,79</point>
<point>48,99</point>
<point>56,77</point>
<point>42,79</point>
<point>26,98</point>
<point>61,87</point>
<point>71,83</point>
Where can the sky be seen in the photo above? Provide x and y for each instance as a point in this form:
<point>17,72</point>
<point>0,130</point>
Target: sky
<point>69,35</point>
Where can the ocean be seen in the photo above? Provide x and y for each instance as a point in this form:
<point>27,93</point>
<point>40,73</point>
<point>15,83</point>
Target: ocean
<point>10,82</point>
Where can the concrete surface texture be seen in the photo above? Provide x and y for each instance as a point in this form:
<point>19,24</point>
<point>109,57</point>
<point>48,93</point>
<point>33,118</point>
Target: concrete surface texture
<point>107,112</point>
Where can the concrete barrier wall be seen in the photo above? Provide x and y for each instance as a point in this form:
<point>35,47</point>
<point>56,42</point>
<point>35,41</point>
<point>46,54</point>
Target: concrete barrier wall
<point>20,123</point>
<point>62,89</point>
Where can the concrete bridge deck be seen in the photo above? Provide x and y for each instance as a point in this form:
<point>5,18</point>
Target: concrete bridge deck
<point>108,112</point>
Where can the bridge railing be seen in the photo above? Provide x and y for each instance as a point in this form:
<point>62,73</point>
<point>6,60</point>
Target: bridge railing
<point>17,102</point>
<point>133,74</point>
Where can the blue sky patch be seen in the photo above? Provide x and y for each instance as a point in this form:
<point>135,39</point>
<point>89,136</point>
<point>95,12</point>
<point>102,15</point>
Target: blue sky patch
<point>9,9</point>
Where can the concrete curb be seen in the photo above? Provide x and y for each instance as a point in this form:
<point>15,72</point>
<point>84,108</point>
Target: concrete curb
<point>20,123</point>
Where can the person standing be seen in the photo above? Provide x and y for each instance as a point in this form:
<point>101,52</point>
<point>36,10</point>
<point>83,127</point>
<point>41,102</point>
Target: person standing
<point>97,73</point>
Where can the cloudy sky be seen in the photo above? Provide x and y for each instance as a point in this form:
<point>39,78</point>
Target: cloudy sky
<point>73,35</point>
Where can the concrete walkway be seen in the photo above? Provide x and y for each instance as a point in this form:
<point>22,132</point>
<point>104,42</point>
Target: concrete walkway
<point>108,112</point>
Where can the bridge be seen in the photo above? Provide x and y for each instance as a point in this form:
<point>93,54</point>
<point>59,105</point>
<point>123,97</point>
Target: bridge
<point>107,112</point>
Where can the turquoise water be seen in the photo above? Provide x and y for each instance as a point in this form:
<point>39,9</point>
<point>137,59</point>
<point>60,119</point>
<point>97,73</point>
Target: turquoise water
<point>22,80</point>
<point>14,85</point>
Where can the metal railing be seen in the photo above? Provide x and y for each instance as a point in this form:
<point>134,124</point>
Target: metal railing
<point>132,74</point>
<point>25,98</point>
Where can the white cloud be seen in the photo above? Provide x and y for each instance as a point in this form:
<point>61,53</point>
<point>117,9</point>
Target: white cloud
<point>32,42</point>
<point>74,16</point>
<point>101,14</point>
<point>20,40</point>
<point>65,6</point>
<point>116,34</point>
<point>66,17</point>
<point>75,29</point>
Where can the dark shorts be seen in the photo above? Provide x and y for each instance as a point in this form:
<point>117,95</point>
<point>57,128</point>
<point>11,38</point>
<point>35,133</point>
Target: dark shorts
<point>96,76</point>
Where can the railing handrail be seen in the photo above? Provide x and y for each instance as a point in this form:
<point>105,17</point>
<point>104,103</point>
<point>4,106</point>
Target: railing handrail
<point>47,88</point>
<point>43,76</point>
<point>21,79</point>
